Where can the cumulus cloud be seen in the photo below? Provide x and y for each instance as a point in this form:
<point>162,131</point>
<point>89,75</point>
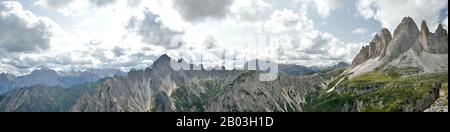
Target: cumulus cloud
<point>445,23</point>
<point>323,7</point>
<point>391,12</point>
<point>300,43</point>
<point>320,49</point>
<point>360,31</point>
<point>210,42</point>
<point>101,3</point>
<point>30,61</point>
<point>23,31</point>
<point>198,10</point>
<point>284,21</point>
<point>54,3</point>
<point>251,10</point>
<point>129,37</point>
<point>97,3</point>
<point>133,3</point>
<point>151,29</point>
<point>118,51</point>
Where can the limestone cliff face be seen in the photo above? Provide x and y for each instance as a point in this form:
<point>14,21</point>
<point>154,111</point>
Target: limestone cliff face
<point>377,48</point>
<point>435,43</point>
<point>362,56</point>
<point>405,36</point>
<point>407,47</point>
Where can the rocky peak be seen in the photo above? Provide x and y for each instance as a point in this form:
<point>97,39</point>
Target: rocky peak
<point>405,36</point>
<point>386,33</point>
<point>362,56</point>
<point>424,28</point>
<point>162,62</point>
<point>6,75</point>
<point>441,40</point>
<point>407,26</point>
<point>435,43</point>
<point>424,39</point>
<point>44,71</point>
<point>164,58</point>
<point>408,47</point>
<point>376,48</point>
<point>386,38</point>
<point>440,31</point>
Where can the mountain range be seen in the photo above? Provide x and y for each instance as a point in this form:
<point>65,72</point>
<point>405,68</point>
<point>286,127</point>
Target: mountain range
<point>406,71</point>
<point>162,89</point>
<point>49,77</point>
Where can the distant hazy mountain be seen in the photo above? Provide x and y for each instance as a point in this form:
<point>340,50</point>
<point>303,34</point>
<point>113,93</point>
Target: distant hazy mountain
<point>49,77</point>
<point>40,98</point>
<point>6,82</point>
<point>299,70</point>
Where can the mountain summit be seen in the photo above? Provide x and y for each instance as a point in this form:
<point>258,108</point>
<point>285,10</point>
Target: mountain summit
<point>408,48</point>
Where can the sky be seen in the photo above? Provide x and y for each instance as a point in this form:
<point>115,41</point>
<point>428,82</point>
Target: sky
<point>132,34</point>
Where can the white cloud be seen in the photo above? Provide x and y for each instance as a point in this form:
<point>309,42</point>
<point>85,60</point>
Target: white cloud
<point>128,33</point>
<point>300,43</point>
<point>251,10</point>
<point>82,7</point>
<point>445,23</point>
<point>151,29</point>
<point>66,7</point>
<point>54,3</point>
<point>89,41</point>
<point>391,12</point>
<point>133,3</point>
<point>23,31</point>
<point>102,3</point>
<point>282,21</point>
<point>360,31</point>
<point>198,10</point>
<point>323,7</point>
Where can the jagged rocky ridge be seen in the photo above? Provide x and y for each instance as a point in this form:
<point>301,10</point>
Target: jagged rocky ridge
<point>410,49</point>
<point>162,89</point>
<point>405,72</point>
